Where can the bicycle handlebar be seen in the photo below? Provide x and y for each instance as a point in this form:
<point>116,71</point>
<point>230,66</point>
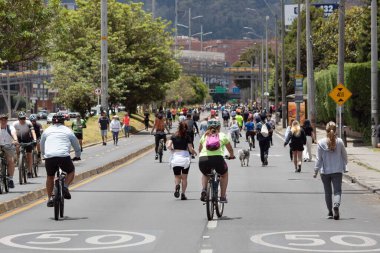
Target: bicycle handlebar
<point>227,157</point>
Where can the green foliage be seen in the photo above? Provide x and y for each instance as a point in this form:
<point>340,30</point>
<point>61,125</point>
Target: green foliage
<point>25,29</point>
<point>190,88</point>
<point>357,113</point>
<point>141,63</point>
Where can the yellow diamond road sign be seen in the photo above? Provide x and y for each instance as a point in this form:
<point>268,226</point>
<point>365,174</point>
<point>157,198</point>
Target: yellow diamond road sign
<point>340,94</point>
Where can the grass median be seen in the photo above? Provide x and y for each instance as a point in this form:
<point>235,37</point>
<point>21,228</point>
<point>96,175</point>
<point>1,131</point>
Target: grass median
<point>91,134</point>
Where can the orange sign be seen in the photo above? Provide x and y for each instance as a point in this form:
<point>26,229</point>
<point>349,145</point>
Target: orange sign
<point>340,94</point>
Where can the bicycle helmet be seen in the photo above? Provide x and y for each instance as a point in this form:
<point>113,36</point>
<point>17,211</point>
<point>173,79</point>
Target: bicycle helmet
<point>58,118</point>
<point>3,116</point>
<point>21,115</point>
<point>213,123</point>
<point>32,117</point>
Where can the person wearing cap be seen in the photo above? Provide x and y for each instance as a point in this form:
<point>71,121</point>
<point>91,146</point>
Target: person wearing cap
<point>77,127</point>
<point>104,124</point>
<point>115,128</point>
<point>56,143</point>
<point>8,140</point>
<point>26,134</point>
<point>181,117</point>
<point>211,156</point>
<point>213,115</point>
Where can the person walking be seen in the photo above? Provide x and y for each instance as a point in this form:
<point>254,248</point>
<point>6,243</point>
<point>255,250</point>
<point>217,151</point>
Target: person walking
<point>8,142</point>
<point>126,125</point>
<point>115,127</point>
<point>180,145</point>
<point>307,156</point>
<point>146,120</point>
<point>263,131</point>
<point>287,133</point>
<point>297,138</point>
<point>331,163</point>
<point>77,127</point>
<point>104,125</point>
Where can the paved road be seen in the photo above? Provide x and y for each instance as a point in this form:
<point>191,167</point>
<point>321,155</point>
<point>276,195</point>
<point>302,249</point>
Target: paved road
<point>270,209</point>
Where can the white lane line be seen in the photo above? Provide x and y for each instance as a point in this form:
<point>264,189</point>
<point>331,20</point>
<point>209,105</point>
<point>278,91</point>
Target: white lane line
<point>212,224</point>
<point>206,251</point>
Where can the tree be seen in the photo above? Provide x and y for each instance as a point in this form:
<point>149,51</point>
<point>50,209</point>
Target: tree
<point>188,88</point>
<point>141,63</point>
<point>25,30</point>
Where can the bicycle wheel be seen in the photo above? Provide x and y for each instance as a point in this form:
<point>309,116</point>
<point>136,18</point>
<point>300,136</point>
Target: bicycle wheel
<point>35,164</point>
<point>160,151</point>
<point>57,206</point>
<point>20,168</point>
<point>209,202</point>
<point>219,207</point>
<point>250,142</point>
<point>61,207</point>
<point>4,177</point>
<point>24,171</point>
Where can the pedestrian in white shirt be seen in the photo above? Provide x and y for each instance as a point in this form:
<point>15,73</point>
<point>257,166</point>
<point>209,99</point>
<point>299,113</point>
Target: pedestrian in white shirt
<point>115,127</point>
<point>8,139</point>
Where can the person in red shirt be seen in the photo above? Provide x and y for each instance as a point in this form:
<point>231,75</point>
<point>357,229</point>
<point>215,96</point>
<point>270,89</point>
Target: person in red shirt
<point>126,124</point>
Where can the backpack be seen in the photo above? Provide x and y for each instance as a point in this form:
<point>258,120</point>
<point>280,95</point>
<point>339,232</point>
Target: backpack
<point>225,114</point>
<point>213,142</point>
<point>264,130</point>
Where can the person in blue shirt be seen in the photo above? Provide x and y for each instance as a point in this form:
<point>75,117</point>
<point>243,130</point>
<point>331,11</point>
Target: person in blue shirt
<point>250,130</point>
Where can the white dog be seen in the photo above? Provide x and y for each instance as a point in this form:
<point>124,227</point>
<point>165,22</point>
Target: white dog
<point>243,156</point>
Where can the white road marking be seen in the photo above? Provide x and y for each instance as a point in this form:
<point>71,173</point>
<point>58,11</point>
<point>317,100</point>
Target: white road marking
<point>206,251</point>
<point>212,224</point>
<point>61,237</point>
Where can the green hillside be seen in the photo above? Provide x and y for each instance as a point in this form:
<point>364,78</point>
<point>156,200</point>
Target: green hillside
<point>225,18</point>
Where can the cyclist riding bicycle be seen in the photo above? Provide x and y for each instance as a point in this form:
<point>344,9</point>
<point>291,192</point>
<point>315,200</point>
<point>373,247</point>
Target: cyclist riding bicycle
<point>169,118</point>
<point>56,142</point>
<point>25,134</point>
<point>226,117</point>
<point>250,130</point>
<point>211,152</point>
<point>8,140</point>
<point>234,129</point>
<point>239,119</point>
<point>159,126</point>
<point>38,130</point>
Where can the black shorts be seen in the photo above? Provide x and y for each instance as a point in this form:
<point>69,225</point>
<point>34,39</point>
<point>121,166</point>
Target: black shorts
<point>206,163</point>
<point>79,136</point>
<point>53,164</point>
<point>180,170</point>
<point>28,149</point>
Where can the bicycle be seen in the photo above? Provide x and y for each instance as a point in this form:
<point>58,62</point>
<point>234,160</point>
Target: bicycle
<point>251,142</point>
<point>235,138</point>
<point>213,203</point>
<point>3,172</point>
<point>36,162</point>
<point>22,166</point>
<point>58,198</point>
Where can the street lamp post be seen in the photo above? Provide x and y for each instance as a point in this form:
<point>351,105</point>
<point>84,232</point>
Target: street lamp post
<point>202,34</point>
<point>266,65</point>
<point>191,18</point>
<point>104,61</point>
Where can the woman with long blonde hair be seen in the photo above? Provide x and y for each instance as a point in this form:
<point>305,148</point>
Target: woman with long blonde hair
<point>331,163</point>
<point>297,139</point>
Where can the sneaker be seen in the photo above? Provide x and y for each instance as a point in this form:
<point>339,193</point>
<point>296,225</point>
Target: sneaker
<point>183,196</point>
<point>336,213</point>
<point>30,175</point>
<point>50,202</point>
<point>223,200</point>
<point>156,157</point>
<point>11,184</point>
<point>299,168</point>
<point>176,193</point>
<point>104,143</point>
<point>330,215</point>
<point>203,196</point>
<point>66,193</point>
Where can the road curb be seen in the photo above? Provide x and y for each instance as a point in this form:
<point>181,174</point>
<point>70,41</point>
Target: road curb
<point>40,193</point>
